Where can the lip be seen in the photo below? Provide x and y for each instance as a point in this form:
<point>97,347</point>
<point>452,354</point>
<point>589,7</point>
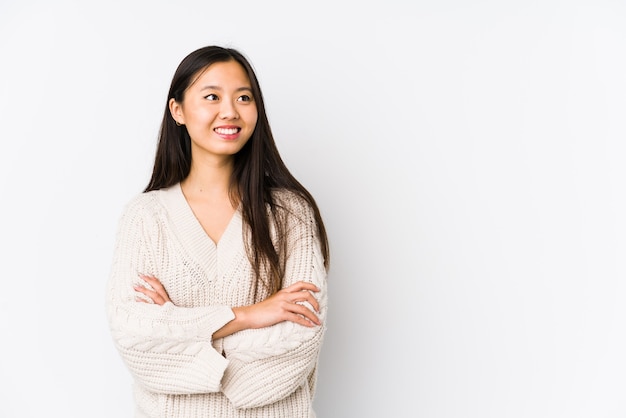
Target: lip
<point>227,132</point>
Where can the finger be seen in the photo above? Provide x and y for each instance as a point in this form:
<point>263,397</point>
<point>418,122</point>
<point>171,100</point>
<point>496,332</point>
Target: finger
<point>305,312</point>
<point>151,294</point>
<point>302,285</point>
<point>299,319</point>
<point>153,281</point>
<point>306,296</point>
<point>144,291</point>
<point>157,286</point>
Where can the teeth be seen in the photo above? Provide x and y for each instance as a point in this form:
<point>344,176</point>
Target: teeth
<point>226,131</point>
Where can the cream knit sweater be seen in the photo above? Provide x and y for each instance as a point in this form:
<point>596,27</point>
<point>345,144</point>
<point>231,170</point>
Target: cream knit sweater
<point>178,371</point>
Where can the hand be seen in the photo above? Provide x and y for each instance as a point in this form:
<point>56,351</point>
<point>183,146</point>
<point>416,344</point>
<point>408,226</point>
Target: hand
<point>158,295</point>
<point>285,305</point>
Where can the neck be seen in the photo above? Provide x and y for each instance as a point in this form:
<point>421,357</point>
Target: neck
<point>210,179</point>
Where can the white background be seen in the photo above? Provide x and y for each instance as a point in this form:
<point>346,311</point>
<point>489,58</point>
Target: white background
<point>468,157</point>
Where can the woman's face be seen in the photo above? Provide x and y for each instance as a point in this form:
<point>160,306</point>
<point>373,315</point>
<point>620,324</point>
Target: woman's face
<point>218,110</point>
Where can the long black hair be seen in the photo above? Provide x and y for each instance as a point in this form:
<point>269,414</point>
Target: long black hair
<point>258,169</point>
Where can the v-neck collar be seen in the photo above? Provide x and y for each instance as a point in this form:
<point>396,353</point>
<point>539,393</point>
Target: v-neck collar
<point>193,237</point>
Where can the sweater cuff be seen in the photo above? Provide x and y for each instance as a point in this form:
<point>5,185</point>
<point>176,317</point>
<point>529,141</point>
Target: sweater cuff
<point>216,364</point>
<point>219,318</point>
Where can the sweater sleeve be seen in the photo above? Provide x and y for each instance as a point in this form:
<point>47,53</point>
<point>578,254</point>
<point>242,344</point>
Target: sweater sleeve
<point>269,364</point>
<point>167,348</point>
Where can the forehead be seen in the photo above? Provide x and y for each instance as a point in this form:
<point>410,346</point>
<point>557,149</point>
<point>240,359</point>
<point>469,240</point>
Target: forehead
<point>222,74</point>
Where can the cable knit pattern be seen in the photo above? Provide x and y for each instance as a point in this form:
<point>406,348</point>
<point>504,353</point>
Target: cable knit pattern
<point>177,369</point>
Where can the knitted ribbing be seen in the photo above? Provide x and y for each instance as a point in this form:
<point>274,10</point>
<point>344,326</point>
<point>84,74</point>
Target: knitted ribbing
<point>178,371</point>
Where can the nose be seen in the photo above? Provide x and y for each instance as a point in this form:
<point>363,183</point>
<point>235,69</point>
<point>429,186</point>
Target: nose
<point>228,110</point>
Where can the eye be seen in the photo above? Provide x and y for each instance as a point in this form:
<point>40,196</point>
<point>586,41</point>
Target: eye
<point>244,98</point>
<point>211,97</point>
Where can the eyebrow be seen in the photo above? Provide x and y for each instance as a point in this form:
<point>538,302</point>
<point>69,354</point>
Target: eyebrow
<point>210,87</point>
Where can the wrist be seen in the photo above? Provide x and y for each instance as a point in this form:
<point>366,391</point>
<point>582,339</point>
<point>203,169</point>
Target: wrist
<point>241,318</point>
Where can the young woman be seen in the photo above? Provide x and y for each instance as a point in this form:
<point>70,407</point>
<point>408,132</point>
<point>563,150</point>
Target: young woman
<point>217,295</point>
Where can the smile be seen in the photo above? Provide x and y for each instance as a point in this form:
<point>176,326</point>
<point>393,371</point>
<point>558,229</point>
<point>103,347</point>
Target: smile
<point>227,131</point>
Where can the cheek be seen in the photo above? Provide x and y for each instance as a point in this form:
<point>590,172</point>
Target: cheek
<point>252,118</point>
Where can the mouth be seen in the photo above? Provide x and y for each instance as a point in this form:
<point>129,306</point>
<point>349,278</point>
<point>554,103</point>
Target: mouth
<point>227,131</point>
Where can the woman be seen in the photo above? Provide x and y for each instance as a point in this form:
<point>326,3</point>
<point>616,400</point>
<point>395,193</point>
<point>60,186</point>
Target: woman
<point>217,294</point>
